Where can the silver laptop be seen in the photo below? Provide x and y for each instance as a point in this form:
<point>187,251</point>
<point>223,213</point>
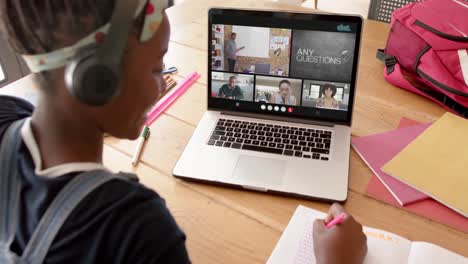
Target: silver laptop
<point>280,101</point>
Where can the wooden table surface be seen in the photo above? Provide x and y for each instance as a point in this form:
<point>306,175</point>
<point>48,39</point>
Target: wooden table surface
<point>233,226</point>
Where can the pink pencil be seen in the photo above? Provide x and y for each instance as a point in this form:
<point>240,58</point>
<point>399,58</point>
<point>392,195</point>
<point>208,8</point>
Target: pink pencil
<point>336,221</point>
<point>171,97</point>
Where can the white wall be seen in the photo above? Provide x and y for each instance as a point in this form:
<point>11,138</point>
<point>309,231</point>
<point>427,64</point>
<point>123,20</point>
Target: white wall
<point>359,7</point>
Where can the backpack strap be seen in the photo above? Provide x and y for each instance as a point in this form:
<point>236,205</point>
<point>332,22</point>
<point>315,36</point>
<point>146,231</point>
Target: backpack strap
<point>397,78</point>
<point>389,60</point>
<point>57,213</point>
<point>9,190</point>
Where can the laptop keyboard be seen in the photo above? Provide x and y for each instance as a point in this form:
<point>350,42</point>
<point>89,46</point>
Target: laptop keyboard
<point>282,140</point>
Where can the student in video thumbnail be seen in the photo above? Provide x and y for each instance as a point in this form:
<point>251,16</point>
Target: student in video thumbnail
<point>231,51</point>
<point>284,95</point>
<point>231,90</point>
<point>327,100</point>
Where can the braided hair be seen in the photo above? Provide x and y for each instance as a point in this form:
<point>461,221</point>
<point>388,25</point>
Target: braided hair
<point>40,26</point>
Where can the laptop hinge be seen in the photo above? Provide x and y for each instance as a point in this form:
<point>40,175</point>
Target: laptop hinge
<point>280,118</point>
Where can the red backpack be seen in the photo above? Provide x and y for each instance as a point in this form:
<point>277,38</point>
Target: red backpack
<point>426,52</point>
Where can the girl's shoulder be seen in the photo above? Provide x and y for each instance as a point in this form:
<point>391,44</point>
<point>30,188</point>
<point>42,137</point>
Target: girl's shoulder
<point>120,216</point>
<point>11,110</point>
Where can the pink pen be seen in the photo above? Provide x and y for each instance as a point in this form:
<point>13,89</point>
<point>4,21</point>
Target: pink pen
<point>336,221</point>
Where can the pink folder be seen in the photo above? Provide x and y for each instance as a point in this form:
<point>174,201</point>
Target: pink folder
<point>377,150</point>
<point>428,208</point>
<point>406,122</point>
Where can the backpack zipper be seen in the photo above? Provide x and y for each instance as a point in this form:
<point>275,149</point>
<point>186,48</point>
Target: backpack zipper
<point>441,85</point>
<point>439,33</point>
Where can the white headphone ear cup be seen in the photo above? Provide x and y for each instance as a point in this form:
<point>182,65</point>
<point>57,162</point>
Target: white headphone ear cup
<point>89,81</point>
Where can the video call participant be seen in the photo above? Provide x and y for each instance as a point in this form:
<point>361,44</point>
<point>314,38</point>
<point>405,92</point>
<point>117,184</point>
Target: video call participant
<point>231,51</point>
<point>284,95</point>
<point>231,90</point>
<point>327,99</point>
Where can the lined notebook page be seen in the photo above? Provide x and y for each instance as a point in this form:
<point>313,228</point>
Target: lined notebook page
<point>296,245</point>
<point>305,252</point>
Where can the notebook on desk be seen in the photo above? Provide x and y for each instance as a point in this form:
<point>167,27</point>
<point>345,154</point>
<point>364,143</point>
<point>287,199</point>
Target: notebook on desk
<point>436,163</point>
<point>428,208</point>
<point>296,245</point>
<point>377,150</point>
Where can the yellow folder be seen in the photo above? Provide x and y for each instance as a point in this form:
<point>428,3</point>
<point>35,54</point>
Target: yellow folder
<point>436,163</point>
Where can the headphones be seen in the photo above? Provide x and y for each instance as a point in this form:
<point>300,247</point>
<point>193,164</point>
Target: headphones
<point>93,77</point>
<point>94,63</point>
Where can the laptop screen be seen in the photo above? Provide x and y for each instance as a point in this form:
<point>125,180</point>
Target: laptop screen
<point>284,64</point>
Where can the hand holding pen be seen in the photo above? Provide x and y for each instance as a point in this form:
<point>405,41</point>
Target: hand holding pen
<point>339,238</point>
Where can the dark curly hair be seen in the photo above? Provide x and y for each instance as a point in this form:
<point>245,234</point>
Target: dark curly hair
<point>329,86</point>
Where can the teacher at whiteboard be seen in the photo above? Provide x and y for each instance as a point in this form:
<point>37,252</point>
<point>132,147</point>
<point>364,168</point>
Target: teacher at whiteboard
<point>231,51</point>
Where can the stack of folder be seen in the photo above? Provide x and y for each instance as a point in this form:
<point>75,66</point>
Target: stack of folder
<point>422,168</point>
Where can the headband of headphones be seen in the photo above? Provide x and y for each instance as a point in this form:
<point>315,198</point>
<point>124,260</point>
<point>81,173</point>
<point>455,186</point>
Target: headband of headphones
<point>59,58</point>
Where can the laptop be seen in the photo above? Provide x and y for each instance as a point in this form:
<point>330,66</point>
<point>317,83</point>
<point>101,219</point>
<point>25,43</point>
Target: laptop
<point>287,130</point>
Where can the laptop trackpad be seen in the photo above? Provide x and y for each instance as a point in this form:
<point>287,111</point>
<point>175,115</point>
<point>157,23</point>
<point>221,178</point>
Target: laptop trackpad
<point>260,171</point>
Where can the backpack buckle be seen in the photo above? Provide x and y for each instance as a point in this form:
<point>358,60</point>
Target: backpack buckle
<point>390,62</point>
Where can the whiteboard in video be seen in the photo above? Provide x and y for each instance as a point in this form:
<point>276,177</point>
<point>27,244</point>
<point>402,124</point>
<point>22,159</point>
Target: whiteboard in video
<point>256,41</point>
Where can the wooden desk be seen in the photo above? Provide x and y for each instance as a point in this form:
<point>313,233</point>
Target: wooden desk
<point>232,226</point>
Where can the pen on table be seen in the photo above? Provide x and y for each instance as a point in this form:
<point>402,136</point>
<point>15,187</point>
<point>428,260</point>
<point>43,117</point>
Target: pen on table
<point>171,85</point>
<point>336,221</point>
<point>167,77</point>
<point>141,141</point>
<point>160,107</point>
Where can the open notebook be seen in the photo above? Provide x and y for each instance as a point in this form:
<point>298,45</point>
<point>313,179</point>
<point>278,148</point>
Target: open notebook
<point>296,245</point>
